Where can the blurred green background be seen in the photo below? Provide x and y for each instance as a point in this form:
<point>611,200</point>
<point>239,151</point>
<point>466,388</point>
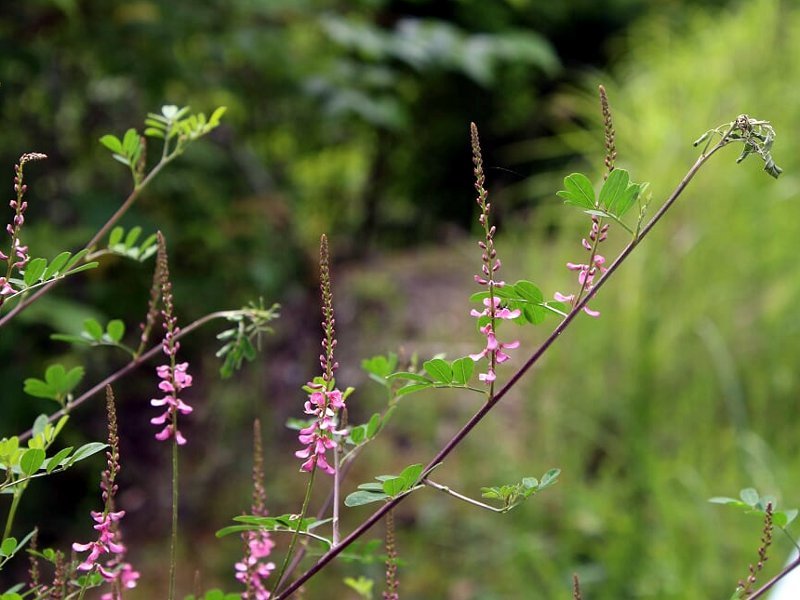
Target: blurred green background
<point>351,119</point>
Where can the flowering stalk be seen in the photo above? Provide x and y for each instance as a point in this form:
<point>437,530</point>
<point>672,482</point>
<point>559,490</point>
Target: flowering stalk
<point>113,569</point>
<point>324,403</point>
<point>391,560</point>
<point>745,588</point>
<point>174,379</point>
<point>253,570</point>
<point>493,311</point>
<point>599,231</point>
<point>17,256</point>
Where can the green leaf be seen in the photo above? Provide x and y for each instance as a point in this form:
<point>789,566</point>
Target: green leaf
<point>115,330</point>
<point>613,189</point>
<point>85,452</point>
<point>56,265</point>
<point>462,370</point>
<point>414,387</point>
<point>115,237</point>
<point>31,460</point>
<point>374,425</point>
<point>410,475</point>
<point>528,292</point>
<point>439,370</point>
<point>579,191</point>
<point>358,434</point>
<point>39,425</point>
<point>72,379</point>
<point>112,143</point>
<point>132,236</point>
<point>549,478</point>
<point>39,389</point>
<point>55,460</point>
<point>362,497</point>
<point>749,496</point>
<point>410,376</point>
<point>34,271</point>
<point>394,486</point>
<point>130,143</point>
<point>9,546</point>
<point>93,328</point>
<point>76,258</point>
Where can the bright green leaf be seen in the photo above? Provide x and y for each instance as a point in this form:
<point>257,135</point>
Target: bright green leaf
<point>439,370</point>
<point>31,460</point>
<point>579,191</point>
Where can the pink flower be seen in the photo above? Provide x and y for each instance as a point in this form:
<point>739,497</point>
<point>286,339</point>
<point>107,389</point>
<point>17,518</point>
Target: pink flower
<point>112,568</point>
<point>174,381</point>
<point>253,570</point>
<point>587,273</point>
<point>318,437</point>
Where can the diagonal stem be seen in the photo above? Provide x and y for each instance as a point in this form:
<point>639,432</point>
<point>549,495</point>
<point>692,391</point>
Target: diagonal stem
<point>533,359</point>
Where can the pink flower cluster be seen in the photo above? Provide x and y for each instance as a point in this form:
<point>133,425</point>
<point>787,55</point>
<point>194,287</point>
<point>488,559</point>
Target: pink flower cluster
<point>586,272</point>
<point>174,380</point>
<point>318,437</point>
<point>113,569</point>
<point>253,571</point>
<point>494,349</point>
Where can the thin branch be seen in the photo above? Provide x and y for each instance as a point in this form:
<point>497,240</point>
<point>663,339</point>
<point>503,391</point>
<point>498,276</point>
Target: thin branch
<point>128,368</point>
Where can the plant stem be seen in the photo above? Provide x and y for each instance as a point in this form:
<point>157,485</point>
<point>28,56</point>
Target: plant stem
<point>12,511</point>
<point>173,551</point>
<point>784,572</point>
<point>282,573</point>
<point>533,359</point>
<point>337,463</point>
<point>467,499</point>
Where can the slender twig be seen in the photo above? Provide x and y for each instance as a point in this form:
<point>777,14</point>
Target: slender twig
<point>784,572</point>
<point>283,572</point>
<point>467,499</point>
<point>143,358</point>
<point>533,359</point>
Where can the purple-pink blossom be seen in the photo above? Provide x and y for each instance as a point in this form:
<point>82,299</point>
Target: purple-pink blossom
<point>588,272</point>
<point>494,348</point>
<point>106,553</point>
<point>254,570</point>
<point>174,380</point>
<point>318,436</point>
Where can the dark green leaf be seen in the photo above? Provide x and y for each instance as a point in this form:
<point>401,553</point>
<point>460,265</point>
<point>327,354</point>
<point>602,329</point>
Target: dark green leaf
<point>362,497</point>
